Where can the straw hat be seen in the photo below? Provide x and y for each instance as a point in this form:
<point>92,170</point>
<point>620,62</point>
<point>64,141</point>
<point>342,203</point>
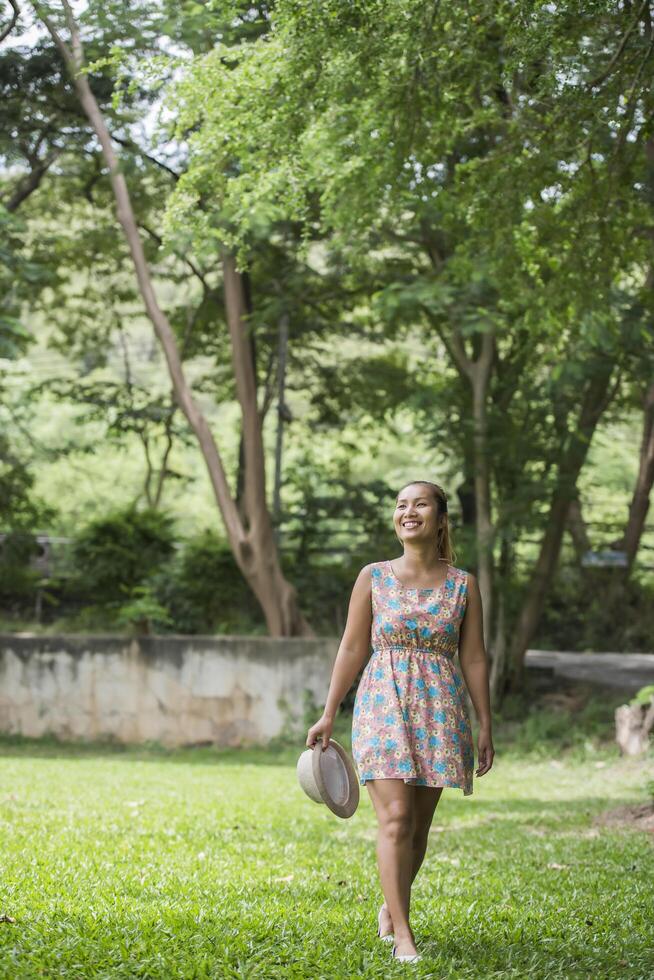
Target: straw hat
<point>328,776</point>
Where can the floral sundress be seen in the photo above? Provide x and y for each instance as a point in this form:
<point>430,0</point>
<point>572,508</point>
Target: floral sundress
<point>410,719</point>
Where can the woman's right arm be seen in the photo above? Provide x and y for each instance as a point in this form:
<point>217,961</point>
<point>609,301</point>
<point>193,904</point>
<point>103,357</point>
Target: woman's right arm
<point>353,651</point>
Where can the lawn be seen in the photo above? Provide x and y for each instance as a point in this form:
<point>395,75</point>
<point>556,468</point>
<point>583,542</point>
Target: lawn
<point>199,863</point>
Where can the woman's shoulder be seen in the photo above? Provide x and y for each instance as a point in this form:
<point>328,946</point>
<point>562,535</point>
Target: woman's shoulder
<point>373,571</point>
<point>377,575</point>
<point>462,575</point>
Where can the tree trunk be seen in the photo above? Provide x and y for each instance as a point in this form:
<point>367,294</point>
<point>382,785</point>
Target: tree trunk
<point>253,546</point>
<point>281,383</point>
<point>478,372</point>
<point>639,505</point>
<point>633,724</point>
<point>262,560</point>
<point>577,528</point>
<point>573,457</point>
<point>499,645</point>
<point>484,525</point>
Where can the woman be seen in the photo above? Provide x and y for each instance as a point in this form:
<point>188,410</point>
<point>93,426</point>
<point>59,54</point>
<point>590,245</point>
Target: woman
<point>411,733</point>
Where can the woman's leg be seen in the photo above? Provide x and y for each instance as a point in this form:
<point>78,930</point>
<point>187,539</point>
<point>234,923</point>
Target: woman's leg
<point>426,801</point>
<point>394,803</point>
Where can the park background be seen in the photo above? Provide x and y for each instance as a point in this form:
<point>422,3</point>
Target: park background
<point>356,244</point>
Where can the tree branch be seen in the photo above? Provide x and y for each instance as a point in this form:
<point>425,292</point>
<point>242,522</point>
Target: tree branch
<point>131,145</point>
<point>614,60</point>
<point>7,30</point>
<point>31,182</point>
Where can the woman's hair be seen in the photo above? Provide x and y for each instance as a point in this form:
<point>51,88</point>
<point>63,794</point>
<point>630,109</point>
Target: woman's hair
<point>443,540</point>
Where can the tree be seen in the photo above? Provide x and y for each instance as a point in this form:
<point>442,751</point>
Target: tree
<point>252,540</point>
<point>495,162</point>
<point>20,274</point>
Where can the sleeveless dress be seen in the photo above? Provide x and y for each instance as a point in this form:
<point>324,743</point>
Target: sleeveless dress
<point>410,718</point>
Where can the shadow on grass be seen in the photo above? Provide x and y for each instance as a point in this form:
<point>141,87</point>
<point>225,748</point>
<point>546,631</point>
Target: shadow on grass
<point>48,747</point>
<point>509,747</point>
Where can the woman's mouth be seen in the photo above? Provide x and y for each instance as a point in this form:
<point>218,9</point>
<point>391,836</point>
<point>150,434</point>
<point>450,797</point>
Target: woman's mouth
<point>410,524</point>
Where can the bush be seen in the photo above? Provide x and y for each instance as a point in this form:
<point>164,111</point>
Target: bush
<point>115,554</point>
<point>18,577</point>
<point>584,612</point>
<point>205,592</point>
<point>142,612</point>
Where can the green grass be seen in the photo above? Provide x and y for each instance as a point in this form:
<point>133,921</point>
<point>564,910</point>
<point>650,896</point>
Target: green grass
<point>143,862</point>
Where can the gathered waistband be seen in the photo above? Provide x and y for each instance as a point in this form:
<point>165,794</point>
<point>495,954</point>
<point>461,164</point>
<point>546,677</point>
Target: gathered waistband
<point>410,649</point>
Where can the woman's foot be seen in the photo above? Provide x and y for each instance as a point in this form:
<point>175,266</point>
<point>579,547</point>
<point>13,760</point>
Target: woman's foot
<point>405,944</point>
<point>384,923</point>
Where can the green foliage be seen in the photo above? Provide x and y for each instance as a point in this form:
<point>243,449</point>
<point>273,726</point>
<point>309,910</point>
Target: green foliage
<point>18,577</point>
<point>644,695</point>
<point>374,387</point>
<point>565,720</point>
<point>334,508</point>
<point>462,169</point>
<point>143,612</point>
<point>20,275</point>
<point>389,172</point>
<point>116,553</point>
<point>542,730</point>
<point>205,592</point>
<point>20,508</point>
<point>387,116</point>
<point>583,613</point>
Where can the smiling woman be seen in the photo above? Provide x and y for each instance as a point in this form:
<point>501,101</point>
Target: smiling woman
<point>411,732</point>
<point>410,718</point>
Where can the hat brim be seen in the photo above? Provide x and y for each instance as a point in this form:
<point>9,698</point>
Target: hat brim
<point>347,808</point>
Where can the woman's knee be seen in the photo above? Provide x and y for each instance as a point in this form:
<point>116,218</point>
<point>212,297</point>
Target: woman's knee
<point>398,821</point>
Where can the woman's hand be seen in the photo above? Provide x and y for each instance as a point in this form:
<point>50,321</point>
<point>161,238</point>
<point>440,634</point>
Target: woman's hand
<point>485,750</point>
<point>321,728</point>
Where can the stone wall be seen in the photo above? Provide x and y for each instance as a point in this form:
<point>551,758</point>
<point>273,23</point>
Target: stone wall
<point>175,690</point>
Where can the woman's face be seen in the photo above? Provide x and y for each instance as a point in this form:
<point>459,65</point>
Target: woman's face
<point>416,514</point>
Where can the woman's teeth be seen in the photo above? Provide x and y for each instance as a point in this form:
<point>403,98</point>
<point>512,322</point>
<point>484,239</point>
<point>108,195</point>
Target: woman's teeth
<point>412,523</point>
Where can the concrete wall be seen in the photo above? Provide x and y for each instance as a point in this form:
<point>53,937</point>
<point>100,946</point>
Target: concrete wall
<point>176,690</point>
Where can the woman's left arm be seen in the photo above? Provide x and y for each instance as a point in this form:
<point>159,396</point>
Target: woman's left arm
<point>474,666</point>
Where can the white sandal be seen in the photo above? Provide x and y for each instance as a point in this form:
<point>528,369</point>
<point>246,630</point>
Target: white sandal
<point>406,957</point>
<point>389,935</point>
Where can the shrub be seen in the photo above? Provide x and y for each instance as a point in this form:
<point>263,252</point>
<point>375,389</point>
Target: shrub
<point>142,612</point>
<point>583,613</point>
<point>115,554</point>
<point>18,577</point>
<point>205,592</point>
